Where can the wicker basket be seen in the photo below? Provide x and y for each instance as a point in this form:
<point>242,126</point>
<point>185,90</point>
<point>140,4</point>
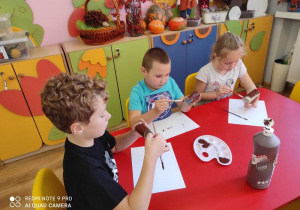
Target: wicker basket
<point>247,14</point>
<point>104,35</point>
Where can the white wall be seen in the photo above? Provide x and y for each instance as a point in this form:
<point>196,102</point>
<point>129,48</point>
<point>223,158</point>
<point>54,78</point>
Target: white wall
<point>283,36</point>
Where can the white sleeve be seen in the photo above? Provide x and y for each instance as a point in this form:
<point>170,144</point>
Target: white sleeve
<point>202,75</point>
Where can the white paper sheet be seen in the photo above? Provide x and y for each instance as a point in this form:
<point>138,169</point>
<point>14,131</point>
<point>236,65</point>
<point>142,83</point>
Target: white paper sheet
<point>166,179</point>
<point>174,125</point>
<point>255,116</point>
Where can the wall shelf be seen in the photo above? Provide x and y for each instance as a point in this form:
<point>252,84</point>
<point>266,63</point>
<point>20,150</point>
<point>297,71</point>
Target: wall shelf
<point>288,15</point>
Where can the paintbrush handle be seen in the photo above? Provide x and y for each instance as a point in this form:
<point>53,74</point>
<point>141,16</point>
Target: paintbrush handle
<point>162,163</point>
<point>237,94</point>
<point>235,114</point>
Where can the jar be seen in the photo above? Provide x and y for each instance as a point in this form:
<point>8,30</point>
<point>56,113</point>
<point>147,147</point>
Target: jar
<point>134,18</point>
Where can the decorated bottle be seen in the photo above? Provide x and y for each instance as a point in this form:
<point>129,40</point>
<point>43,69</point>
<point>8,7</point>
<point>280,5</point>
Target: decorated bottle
<point>134,17</point>
<point>262,165</point>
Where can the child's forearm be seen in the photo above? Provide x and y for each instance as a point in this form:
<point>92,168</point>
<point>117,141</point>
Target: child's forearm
<point>148,117</point>
<point>140,196</point>
<point>125,140</point>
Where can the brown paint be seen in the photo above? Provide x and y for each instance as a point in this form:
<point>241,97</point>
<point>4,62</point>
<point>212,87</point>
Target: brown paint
<point>204,143</point>
<point>142,129</point>
<point>224,160</point>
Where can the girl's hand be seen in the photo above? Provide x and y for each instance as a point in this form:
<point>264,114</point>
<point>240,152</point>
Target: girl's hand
<point>252,104</point>
<point>223,89</point>
<point>161,105</point>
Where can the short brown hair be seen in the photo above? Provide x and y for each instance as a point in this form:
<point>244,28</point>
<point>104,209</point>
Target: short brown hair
<point>68,99</point>
<point>155,54</point>
<point>226,43</point>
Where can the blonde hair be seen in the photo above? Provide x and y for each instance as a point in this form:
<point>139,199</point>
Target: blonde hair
<point>226,43</point>
<point>68,99</point>
<point>155,54</point>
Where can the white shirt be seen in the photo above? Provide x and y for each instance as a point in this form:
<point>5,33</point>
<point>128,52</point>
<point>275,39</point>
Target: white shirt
<point>214,80</point>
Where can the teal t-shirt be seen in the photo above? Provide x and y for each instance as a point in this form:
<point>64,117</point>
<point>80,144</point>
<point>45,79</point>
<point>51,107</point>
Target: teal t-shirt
<point>141,96</point>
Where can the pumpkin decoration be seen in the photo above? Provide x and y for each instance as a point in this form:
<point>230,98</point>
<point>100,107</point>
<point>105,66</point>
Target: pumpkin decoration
<point>155,12</point>
<point>143,23</point>
<point>168,11</point>
<point>156,27</point>
<point>177,23</point>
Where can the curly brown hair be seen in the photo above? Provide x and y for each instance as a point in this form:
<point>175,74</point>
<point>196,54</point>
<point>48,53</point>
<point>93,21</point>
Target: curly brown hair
<point>67,99</point>
<point>155,54</point>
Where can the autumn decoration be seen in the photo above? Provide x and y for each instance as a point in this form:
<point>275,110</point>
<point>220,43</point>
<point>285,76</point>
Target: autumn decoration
<point>156,27</point>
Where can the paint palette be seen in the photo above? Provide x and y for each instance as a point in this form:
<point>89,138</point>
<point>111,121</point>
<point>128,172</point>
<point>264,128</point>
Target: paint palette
<point>208,147</point>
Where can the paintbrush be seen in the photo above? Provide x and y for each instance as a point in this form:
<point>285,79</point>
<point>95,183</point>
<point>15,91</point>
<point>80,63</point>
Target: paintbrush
<point>162,163</point>
<point>235,114</point>
<point>237,94</point>
<point>169,100</point>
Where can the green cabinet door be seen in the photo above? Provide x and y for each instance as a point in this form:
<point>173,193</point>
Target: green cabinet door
<point>128,66</point>
<point>113,105</point>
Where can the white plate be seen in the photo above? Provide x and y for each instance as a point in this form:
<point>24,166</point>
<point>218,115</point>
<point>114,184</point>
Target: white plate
<point>208,147</point>
<point>260,7</point>
<point>234,13</point>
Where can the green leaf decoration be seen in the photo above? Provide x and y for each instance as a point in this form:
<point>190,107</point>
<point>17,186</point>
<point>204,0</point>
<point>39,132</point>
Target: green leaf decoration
<point>78,3</point>
<point>95,5</point>
<point>243,35</point>
<point>56,134</point>
<point>234,26</point>
<point>256,41</point>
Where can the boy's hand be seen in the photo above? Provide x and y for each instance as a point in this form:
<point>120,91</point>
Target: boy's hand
<point>161,105</point>
<point>223,89</point>
<point>155,146</point>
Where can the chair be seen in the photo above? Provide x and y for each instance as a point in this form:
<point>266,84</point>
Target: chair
<point>47,184</point>
<point>295,94</point>
<point>127,111</point>
<point>190,84</point>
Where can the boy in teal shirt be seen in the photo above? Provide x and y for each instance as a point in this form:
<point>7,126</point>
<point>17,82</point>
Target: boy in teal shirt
<point>151,98</point>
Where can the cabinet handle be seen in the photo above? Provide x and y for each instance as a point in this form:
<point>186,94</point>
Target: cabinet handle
<point>4,81</point>
<point>11,77</point>
<point>191,38</point>
<point>21,75</point>
<point>184,42</point>
<point>251,27</point>
<point>118,53</point>
<point>109,57</point>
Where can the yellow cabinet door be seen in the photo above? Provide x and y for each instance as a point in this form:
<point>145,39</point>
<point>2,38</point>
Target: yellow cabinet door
<point>32,75</point>
<point>19,134</point>
<point>257,42</point>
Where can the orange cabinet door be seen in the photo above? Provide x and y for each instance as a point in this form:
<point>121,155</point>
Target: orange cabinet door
<point>32,75</point>
<point>19,134</point>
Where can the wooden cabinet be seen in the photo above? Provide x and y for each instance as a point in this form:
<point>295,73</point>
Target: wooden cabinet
<point>24,127</point>
<point>32,75</point>
<point>121,60</point>
<point>19,134</point>
<point>255,33</point>
<point>188,50</point>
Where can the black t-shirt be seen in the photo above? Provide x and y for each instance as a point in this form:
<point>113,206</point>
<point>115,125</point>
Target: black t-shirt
<point>91,175</point>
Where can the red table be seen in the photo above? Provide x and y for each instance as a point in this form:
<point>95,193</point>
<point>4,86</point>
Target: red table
<point>210,185</point>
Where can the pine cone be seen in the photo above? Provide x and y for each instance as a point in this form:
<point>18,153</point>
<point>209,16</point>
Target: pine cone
<point>95,18</point>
